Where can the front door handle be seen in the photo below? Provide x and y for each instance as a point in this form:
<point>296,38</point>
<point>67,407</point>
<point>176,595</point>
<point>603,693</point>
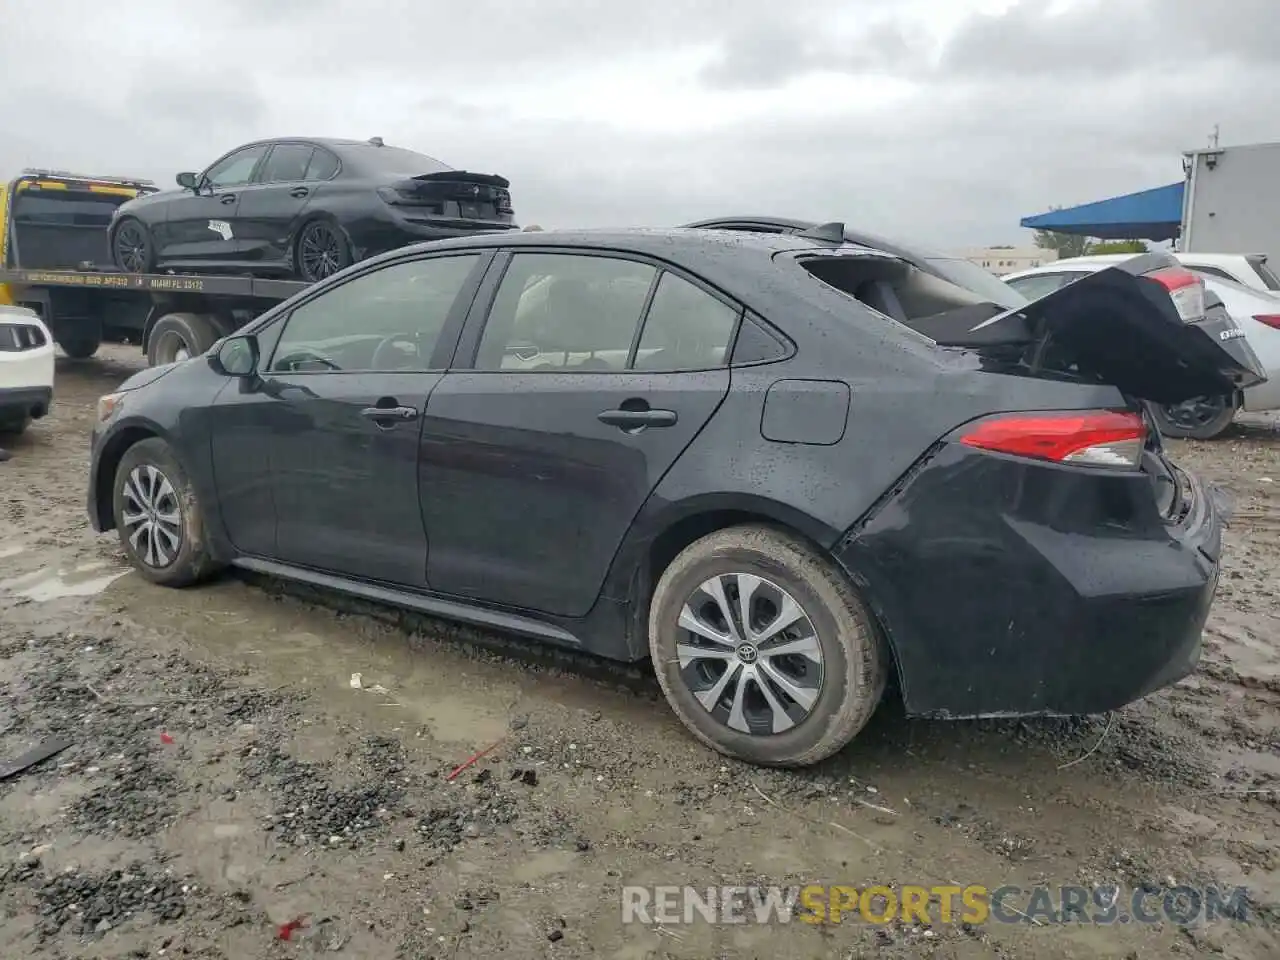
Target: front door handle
<point>393,414</point>
<point>637,419</point>
<point>299,192</point>
<point>228,198</point>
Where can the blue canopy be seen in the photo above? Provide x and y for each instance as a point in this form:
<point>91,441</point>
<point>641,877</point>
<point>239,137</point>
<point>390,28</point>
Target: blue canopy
<point>1154,214</point>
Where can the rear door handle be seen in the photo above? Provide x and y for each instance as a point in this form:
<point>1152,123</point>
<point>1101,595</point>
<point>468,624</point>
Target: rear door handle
<point>299,192</point>
<point>390,413</point>
<point>635,419</point>
<point>228,198</point>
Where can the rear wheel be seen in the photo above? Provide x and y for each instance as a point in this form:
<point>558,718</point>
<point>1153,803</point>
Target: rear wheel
<point>158,516</point>
<point>764,649</point>
<point>80,347</point>
<point>14,424</point>
<point>321,251</point>
<point>1201,418</point>
<point>132,248</point>
<point>180,336</point>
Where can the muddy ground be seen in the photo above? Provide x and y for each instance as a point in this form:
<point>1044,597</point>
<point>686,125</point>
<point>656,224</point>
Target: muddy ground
<point>225,777</point>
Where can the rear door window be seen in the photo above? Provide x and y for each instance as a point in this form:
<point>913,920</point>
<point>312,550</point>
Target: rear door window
<point>287,163</point>
<point>686,328</point>
<point>323,165</point>
<point>565,312</point>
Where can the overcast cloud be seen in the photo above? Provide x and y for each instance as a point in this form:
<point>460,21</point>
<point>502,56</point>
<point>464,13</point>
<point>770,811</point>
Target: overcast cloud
<point>940,120</point>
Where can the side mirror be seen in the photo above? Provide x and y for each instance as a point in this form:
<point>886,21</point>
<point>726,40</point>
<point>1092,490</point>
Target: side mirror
<point>236,357</point>
<point>188,180</point>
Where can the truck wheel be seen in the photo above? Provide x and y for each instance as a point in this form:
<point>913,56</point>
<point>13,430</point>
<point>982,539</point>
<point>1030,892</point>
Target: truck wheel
<point>13,425</point>
<point>1201,418</point>
<point>132,248</point>
<point>80,348</point>
<point>180,336</point>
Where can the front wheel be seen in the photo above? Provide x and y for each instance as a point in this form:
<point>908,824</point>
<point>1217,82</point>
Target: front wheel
<point>764,649</point>
<point>1200,418</point>
<point>132,248</point>
<point>321,251</point>
<point>158,516</point>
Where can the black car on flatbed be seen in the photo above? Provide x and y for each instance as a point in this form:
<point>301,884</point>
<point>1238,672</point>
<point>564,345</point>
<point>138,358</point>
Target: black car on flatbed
<point>98,257</point>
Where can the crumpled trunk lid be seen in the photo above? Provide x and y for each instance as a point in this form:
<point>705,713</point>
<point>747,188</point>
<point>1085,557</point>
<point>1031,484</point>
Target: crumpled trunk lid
<point>1122,326</point>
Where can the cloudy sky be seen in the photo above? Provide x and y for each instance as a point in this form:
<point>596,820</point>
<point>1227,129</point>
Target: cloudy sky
<point>939,120</point>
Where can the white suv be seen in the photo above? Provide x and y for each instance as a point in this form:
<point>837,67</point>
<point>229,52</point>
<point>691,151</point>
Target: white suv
<point>26,369</point>
<point>1249,269</point>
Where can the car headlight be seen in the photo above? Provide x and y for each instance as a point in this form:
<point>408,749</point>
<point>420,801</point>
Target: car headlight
<point>108,405</point>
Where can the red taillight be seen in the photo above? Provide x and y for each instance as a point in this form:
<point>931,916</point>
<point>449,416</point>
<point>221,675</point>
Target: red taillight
<point>1097,438</point>
<point>1270,319</point>
<point>1186,290</point>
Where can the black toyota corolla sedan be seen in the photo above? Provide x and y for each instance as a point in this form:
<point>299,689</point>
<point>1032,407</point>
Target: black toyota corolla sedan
<point>306,208</point>
<point>781,467</point>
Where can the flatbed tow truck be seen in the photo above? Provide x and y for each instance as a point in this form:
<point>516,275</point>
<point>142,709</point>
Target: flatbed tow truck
<point>54,259</point>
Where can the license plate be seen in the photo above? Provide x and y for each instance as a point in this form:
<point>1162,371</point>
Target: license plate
<point>470,211</point>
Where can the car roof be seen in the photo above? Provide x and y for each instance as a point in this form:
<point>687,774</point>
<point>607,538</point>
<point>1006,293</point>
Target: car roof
<point>660,242</point>
<point>910,251</point>
<point>742,265</point>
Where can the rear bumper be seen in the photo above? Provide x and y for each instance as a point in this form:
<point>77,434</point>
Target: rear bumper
<point>397,227</point>
<point>1013,589</point>
<point>32,401</point>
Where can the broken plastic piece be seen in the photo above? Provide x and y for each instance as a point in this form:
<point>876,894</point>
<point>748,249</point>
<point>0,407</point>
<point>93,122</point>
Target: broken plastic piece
<point>287,930</point>
<point>33,756</point>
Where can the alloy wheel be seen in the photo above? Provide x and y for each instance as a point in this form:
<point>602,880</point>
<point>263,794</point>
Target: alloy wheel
<point>1194,413</point>
<point>319,251</point>
<point>749,653</point>
<point>152,516</point>
<point>132,247</point>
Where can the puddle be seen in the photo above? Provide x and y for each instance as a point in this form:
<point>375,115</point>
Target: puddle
<point>55,583</point>
<point>308,645</point>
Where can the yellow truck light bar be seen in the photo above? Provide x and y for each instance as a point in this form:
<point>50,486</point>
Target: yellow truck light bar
<point>135,182</point>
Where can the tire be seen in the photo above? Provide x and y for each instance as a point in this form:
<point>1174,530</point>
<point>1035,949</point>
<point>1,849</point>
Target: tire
<point>14,425</point>
<point>149,469</point>
<point>176,334</point>
<point>321,250</point>
<point>81,347</point>
<point>1201,419</point>
<point>854,667</point>
<point>132,248</point>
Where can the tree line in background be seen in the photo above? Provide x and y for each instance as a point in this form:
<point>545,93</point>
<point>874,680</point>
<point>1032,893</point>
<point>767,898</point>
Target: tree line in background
<point>1073,245</point>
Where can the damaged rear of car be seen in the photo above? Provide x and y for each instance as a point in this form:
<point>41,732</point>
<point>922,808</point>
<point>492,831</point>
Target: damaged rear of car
<point>1046,557</point>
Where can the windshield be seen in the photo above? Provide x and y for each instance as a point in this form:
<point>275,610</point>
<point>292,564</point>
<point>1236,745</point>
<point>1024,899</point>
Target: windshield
<point>972,277</point>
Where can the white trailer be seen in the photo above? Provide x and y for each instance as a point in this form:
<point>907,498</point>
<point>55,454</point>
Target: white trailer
<point>1231,203</point>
